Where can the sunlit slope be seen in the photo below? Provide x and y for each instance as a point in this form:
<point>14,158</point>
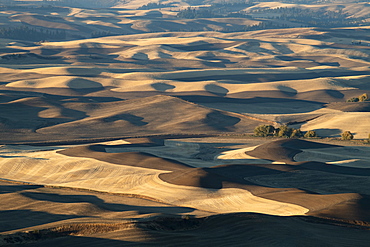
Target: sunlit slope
<point>218,63</point>
<point>102,176</point>
<point>267,188</point>
<point>335,124</point>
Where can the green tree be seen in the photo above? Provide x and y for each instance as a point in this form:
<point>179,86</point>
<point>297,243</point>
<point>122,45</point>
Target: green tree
<point>363,97</point>
<point>347,135</point>
<point>296,133</point>
<point>310,134</point>
<point>354,99</point>
<point>284,131</point>
<point>264,130</point>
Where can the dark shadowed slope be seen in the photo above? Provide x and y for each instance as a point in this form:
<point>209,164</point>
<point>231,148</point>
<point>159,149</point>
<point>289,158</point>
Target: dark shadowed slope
<point>150,116</point>
<point>284,150</point>
<point>245,229</point>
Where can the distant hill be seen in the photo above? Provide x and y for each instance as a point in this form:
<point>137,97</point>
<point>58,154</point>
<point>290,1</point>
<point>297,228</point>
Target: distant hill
<point>44,120</point>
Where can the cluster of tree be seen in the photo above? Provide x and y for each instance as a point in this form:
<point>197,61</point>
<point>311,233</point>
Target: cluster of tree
<point>154,6</point>
<point>311,17</point>
<point>232,5</point>
<point>283,131</point>
<point>194,13</point>
<point>16,56</point>
<point>361,98</point>
<point>84,3</point>
<point>347,135</point>
<point>287,132</point>
<point>220,9</point>
<point>306,17</point>
<point>32,34</point>
<point>265,25</point>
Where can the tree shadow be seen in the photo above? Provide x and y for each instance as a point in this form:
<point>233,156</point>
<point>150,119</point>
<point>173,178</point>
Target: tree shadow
<point>328,132</point>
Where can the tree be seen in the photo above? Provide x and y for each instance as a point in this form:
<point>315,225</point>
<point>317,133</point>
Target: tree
<point>284,131</point>
<point>363,97</point>
<point>296,133</point>
<point>347,135</point>
<point>264,130</point>
<point>310,134</point>
<point>354,99</point>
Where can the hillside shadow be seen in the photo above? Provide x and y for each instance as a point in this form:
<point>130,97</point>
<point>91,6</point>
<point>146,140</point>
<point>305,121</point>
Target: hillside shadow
<point>134,120</point>
<point>11,188</point>
<point>12,50</point>
<point>50,52</point>
<point>254,46</point>
<point>27,116</point>
<point>195,46</point>
<point>84,86</point>
<point>259,104</point>
<point>81,241</point>
<point>18,219</point>
<point>328,132</point>
<point>214,64</point>
<point>288,91</point>
<point>49,93</point>
<point>274,77</point>
<point>140,56</point>
<point>219,121</point>
<point>292,58</point>
<point>216,89</point>
<point>102,205</point>
<point>83,72</point>
<point>309,59</point>
<point>162,87</point>
<point>335,93</point>
<point>282,48</point>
